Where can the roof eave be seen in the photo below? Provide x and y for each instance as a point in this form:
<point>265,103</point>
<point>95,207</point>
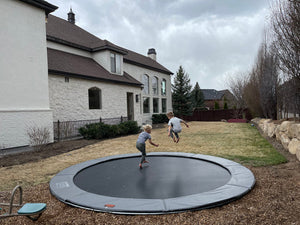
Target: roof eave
<point>147,67</point>
<point>57,72</point>
<point>42,5</point>
<point>60,41</point>
<point>112,48</point>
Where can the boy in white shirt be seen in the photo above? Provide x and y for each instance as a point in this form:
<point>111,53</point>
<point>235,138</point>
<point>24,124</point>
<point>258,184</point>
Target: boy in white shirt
<point>174,126</point>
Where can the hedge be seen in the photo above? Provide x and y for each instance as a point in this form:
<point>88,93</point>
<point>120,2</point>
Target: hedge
<point>101,130</point>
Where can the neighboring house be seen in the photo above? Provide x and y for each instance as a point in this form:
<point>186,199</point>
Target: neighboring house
<point>88,78</point>
<point>211,96</point>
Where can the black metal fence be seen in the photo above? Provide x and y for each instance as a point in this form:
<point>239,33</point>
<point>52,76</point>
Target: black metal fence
<point>70,129</point>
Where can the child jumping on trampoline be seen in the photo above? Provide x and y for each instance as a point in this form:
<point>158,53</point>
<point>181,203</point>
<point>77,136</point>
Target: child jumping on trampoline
<point>141,143</point>
<point>174,126</point>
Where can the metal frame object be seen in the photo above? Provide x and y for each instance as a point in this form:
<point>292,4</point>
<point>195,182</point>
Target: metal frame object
<point>32,210</point>
<point>240,181</point>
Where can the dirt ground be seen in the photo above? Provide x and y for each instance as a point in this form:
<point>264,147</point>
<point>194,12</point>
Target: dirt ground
<point>275,198</point>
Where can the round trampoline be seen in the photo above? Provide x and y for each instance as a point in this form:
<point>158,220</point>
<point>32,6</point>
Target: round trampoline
<point>171,182</point>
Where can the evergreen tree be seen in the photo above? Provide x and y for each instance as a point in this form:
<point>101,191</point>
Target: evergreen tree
<point>197,97</point>
<point>181,93</point>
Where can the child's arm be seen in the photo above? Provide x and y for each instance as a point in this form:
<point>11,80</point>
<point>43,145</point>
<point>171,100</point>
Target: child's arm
<point>185,123</point>
<point>169,130</point>
<point>156,145</point>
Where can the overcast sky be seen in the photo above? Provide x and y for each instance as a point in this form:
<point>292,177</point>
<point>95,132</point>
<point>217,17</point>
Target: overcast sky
<point>211,39</point>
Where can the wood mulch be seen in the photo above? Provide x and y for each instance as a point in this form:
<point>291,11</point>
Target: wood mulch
<point>275,199</point>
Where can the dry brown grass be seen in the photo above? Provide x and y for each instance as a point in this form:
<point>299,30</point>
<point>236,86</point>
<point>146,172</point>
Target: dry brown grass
<point>212,138</point>
<point>274,200</point>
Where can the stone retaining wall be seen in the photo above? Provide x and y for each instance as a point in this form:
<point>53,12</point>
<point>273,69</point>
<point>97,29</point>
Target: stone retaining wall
<point>285,132</point>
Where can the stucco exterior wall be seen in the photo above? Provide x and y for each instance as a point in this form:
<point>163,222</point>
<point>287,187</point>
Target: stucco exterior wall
<point>14,126</point>
<point>23,71</point>
<point>23,61</point>
<point>69,100</point>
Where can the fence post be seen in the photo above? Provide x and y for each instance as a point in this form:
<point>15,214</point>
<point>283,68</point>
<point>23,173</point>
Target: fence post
<point>121,119</point>
<point>58,130</point>
<point>100,120</point>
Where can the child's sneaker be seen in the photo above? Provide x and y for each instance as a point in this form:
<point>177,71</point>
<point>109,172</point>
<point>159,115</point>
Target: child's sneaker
<point>145,161</point>
<point>140,165</point>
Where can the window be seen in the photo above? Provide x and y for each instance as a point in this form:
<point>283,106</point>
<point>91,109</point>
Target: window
<point>115,63</point>
<point>155,105</point>
<point>164,105</point>
<point>163,87</point>
<point>146,84</point>
<point>94,98</point>
<point>146,105</point>
<point>155,86</point>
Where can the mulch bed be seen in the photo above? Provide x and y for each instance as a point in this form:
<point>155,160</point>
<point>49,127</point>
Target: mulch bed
<point>275,199</point>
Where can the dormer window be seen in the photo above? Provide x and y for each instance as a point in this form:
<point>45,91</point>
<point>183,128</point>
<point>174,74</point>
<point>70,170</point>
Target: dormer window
<point>115,63</point>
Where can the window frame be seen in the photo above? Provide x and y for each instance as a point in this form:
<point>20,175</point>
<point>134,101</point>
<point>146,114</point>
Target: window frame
<point>157,105</point>
<point>145,84</point>
<point>163,107</point>
<point>163,87</point>
<point>95,102</point>
<point>148,107</point>
<point>115,63</point>
<point>154,89</point>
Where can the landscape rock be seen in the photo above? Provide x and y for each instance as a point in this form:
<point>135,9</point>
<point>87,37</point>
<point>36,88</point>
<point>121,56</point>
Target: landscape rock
<point>271,127</point>
<point>294,131</point>
<point>277,133</point>
<point>294,145</point>
<point>284,140</point>
<point>285,125</point>
<point>298,153</point>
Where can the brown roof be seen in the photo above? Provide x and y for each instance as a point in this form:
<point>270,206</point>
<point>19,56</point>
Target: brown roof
<point>63,63</point>
<point>64,32</point>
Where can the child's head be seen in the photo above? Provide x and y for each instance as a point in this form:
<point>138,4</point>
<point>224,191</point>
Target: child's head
<point>147,128</point>
<point>170,115</point>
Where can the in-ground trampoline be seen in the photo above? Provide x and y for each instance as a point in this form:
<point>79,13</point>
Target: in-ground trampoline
<point>171,182</point>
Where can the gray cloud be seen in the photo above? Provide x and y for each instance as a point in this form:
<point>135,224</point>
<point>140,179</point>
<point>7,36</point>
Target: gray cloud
<point>210,39</point>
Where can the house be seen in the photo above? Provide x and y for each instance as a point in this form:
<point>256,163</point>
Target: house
<point>24,89</point>
<point>212,97</point>
<point>59,71</point>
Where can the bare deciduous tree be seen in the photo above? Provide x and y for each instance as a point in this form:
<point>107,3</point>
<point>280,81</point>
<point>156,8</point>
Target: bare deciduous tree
<point>286,27</point>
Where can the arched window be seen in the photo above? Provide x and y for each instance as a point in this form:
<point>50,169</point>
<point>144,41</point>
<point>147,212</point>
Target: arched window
<point>155,86</point>
<point>95,98</point>
<point>146,84</point>
<point>163,87</point>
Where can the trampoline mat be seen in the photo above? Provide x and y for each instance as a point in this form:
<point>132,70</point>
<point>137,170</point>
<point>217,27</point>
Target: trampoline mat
<point>161,178</point>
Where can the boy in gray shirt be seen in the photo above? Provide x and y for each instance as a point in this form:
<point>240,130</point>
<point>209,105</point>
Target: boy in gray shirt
<point>141,143</point>
<point>174,126</point>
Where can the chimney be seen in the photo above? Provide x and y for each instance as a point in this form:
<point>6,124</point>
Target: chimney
<point>71,17</point>
<point>152,53</point>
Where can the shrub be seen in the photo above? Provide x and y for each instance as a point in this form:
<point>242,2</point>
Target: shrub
<point>39,137</point>
<point>101,130</point>
<point>159,118</point>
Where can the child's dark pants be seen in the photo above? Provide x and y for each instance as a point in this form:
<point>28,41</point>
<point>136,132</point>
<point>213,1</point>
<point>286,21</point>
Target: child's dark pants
<point>142,148</point>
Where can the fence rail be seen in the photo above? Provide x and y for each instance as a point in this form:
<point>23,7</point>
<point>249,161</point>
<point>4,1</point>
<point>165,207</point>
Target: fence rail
<point>70,129</point>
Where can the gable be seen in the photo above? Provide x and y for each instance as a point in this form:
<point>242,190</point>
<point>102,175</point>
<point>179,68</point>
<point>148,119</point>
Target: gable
<point>67,64</point>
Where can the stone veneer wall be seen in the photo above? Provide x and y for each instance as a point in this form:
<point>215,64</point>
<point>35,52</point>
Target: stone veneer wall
<point>285,132</point>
